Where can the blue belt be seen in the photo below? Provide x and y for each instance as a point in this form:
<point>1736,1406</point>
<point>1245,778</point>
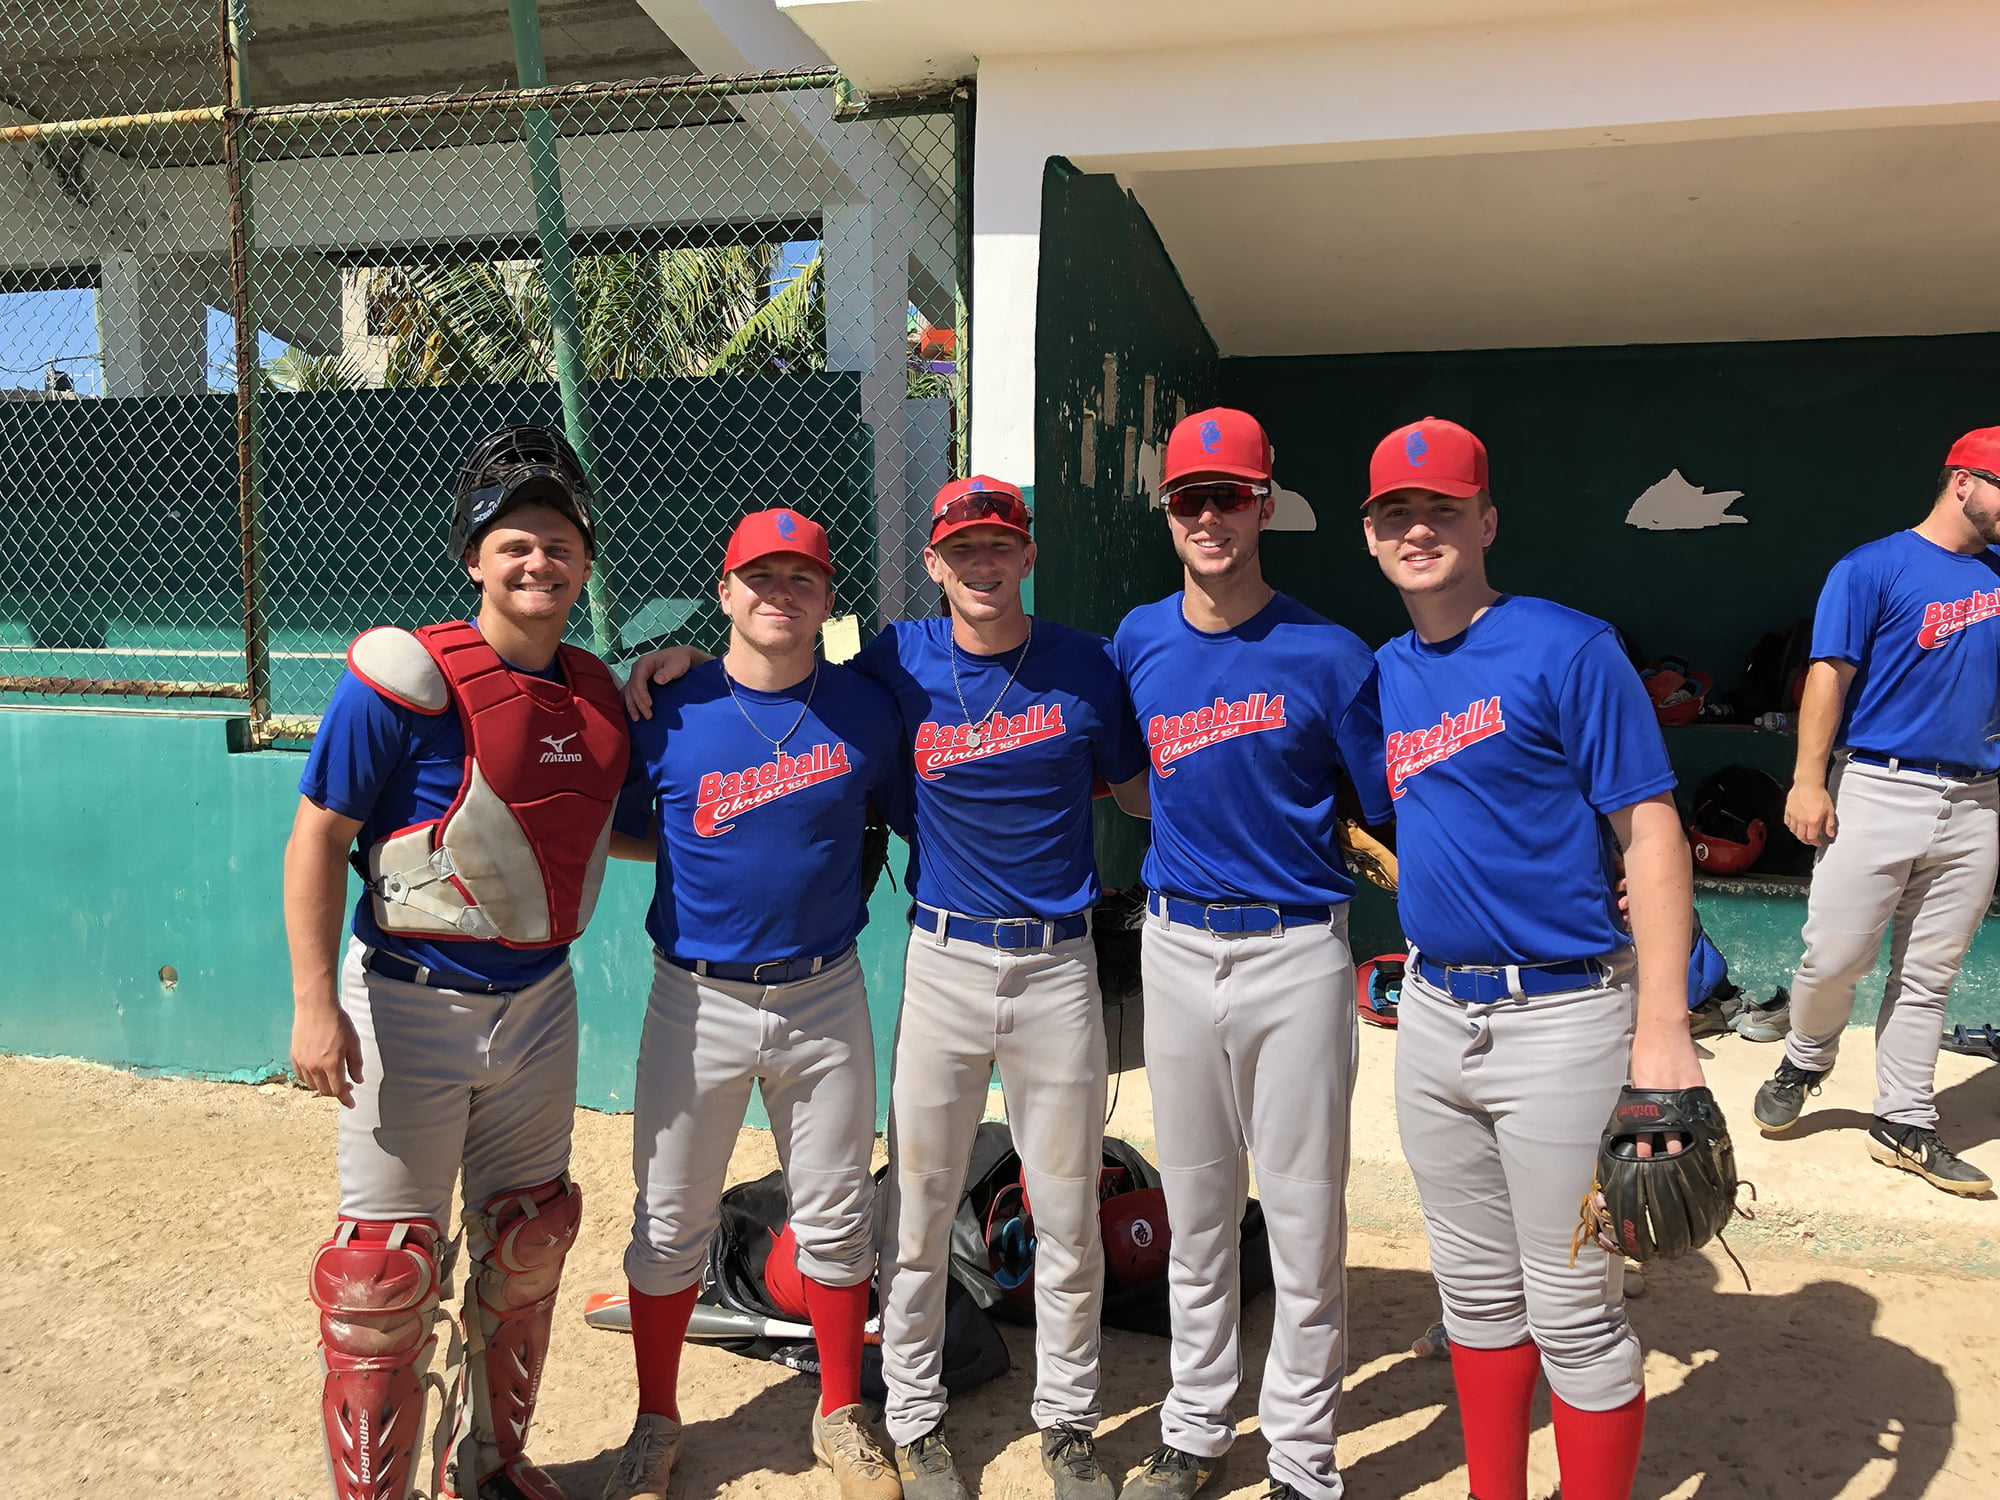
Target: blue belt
<point>782,971</point>
<point>375,961</point>
<point>1949,770</point>
<point>1487,986</point>
<point>1234,916</point>
<point>1010,933</point>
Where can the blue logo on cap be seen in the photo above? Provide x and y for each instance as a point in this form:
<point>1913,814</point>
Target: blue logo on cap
<point>788,527</point>
<point>1211,437</point>
<point>975,484</point>
<point>1414,449</point>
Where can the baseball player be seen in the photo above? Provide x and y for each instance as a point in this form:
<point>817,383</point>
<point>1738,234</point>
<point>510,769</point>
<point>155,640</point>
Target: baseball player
<point>751,785</point>
<point>476,763</point>
<point>1251,706</point>
<point>1519,743</point>
<point>1009,719</point>
<point>1905,662</point>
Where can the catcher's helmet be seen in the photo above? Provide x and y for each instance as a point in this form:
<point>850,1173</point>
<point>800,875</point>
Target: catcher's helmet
<point>519,466</point>
<point>1378,987</point>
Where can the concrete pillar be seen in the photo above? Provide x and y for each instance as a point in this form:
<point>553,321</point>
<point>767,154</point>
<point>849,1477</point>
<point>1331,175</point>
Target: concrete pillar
<point>152,325</point>
<point>866,278</point>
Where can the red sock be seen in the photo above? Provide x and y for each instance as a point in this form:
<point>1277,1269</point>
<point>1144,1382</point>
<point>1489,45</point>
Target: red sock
<point>1495,1387</point>
<point>838,1315</point>
<point>1598,1451</point>
<point>659,1330</point>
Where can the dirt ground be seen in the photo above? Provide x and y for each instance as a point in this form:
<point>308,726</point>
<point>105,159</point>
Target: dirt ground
<point>155,1339</point>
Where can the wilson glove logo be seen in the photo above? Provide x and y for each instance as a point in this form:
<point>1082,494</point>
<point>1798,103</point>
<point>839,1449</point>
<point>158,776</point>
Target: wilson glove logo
<point>1411,751</point>
<point>1171,736</point>
<point>722,796</point>
<point>941,746</point>
<point>1943,620</point>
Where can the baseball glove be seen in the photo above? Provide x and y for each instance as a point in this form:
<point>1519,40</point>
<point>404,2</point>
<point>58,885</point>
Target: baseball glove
<point>1368,854</point>
<point>1661,1207</point>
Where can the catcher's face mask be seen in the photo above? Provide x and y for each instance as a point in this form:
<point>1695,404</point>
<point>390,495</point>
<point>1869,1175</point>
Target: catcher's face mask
<point>519,466</point>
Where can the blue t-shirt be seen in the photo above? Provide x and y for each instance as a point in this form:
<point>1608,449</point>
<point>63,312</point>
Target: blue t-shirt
<point>760,850</point>
<point>1004,827</point>
<point>1921,624</point>
<point>1506,746</point>
<point>392,767</point>
<point>1247,731</point>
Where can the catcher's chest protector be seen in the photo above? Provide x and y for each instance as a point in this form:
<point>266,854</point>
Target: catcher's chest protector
<point>518,857</point>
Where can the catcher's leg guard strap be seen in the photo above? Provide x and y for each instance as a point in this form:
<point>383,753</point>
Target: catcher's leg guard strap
<point>376,1285</point>
<point>510,1299</point>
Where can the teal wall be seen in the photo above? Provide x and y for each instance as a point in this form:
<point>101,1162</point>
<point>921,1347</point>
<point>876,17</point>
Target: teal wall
<point>164,850</point>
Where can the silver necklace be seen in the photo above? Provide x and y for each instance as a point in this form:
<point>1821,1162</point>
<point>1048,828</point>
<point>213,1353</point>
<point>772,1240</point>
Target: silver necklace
<point>973,736</point>
<point>805,707</point>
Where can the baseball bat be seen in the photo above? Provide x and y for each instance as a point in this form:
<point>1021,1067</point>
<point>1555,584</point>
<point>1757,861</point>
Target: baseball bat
<point>612,1312</point>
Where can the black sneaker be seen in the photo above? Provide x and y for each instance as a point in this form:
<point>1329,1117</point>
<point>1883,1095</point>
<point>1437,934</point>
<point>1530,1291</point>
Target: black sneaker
<point>926,1470</point>
<point>1916,1148</point>
<point>1784,1095</point>
<point>1069,1456</point>
<point>1279,1490</point>
<point>1171,1475</point>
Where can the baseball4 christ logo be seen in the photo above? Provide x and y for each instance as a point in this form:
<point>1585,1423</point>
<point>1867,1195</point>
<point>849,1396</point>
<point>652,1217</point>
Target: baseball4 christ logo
<point>1943,619</point>
<point>1414,750</point>
<point>1171,736</point>
<point>941,745</point>
<point>721,796</point>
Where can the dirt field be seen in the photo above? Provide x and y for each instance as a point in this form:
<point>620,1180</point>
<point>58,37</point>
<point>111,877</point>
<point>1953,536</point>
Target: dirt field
<point>155,1338</point>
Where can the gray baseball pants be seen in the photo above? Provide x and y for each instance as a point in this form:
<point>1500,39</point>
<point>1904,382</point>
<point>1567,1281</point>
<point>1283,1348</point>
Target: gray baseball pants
<point>1915,856</point>
<point>809,1047</point>
<point>1501,1108</point>
<point>1038,1014</point>
<point>1250,1047</point>
<point>452,1080</point>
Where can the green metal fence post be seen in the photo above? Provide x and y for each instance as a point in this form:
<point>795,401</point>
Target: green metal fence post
<point>552,228</point>
<point>249,487</point>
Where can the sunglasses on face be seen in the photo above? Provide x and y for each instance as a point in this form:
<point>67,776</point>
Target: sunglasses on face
<point>984,505</point>
<point>1992,479</point>
<point>1224,499</point>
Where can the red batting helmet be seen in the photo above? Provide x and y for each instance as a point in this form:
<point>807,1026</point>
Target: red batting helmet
<point>1677,690</point>
<point>1378,987</point>
<point>1735,810</point>
<point>1136,1237</point>
<point>784,1282</point>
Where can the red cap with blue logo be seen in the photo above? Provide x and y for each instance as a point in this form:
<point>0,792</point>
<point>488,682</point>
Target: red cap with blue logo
<point>979,500</point>
<point>1433,455</point>
<point>764,532</point>
<point>1218,444</point>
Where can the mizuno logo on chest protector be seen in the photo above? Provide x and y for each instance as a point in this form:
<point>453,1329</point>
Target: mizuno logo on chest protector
<point>1171,736</point>
<point>1414,750</point>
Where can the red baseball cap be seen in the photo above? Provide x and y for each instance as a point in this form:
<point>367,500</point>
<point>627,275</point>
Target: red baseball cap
<point>979,500</point>
<point>1433,455</point>
<point>1978,449</point>
<point>1219,443</point>
<point>764,532</point>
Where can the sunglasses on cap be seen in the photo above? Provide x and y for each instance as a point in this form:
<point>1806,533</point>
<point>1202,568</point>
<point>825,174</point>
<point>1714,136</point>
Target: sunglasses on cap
<point>984,505</point>
<point>1224,498</point>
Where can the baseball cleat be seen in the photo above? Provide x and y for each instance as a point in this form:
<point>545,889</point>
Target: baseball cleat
<point>844,1445</point>
<point>1069,1457</point>
<point>646,1460</point>
<point>926,1470</point>
<point>1170,1474</point>
<point>1784,1095</point>
<point>1916,1148</point>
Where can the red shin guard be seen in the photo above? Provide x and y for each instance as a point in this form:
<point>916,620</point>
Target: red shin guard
<point>1495,1388</point>
<point>659,1332</point>
<point>1598,1451</point>
<point>839,1315</point>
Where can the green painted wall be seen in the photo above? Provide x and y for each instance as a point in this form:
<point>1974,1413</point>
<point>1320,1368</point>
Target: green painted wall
<point>163,849</point>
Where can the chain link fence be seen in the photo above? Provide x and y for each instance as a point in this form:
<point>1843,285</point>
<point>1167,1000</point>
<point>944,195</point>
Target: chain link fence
<point>244,346</point>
